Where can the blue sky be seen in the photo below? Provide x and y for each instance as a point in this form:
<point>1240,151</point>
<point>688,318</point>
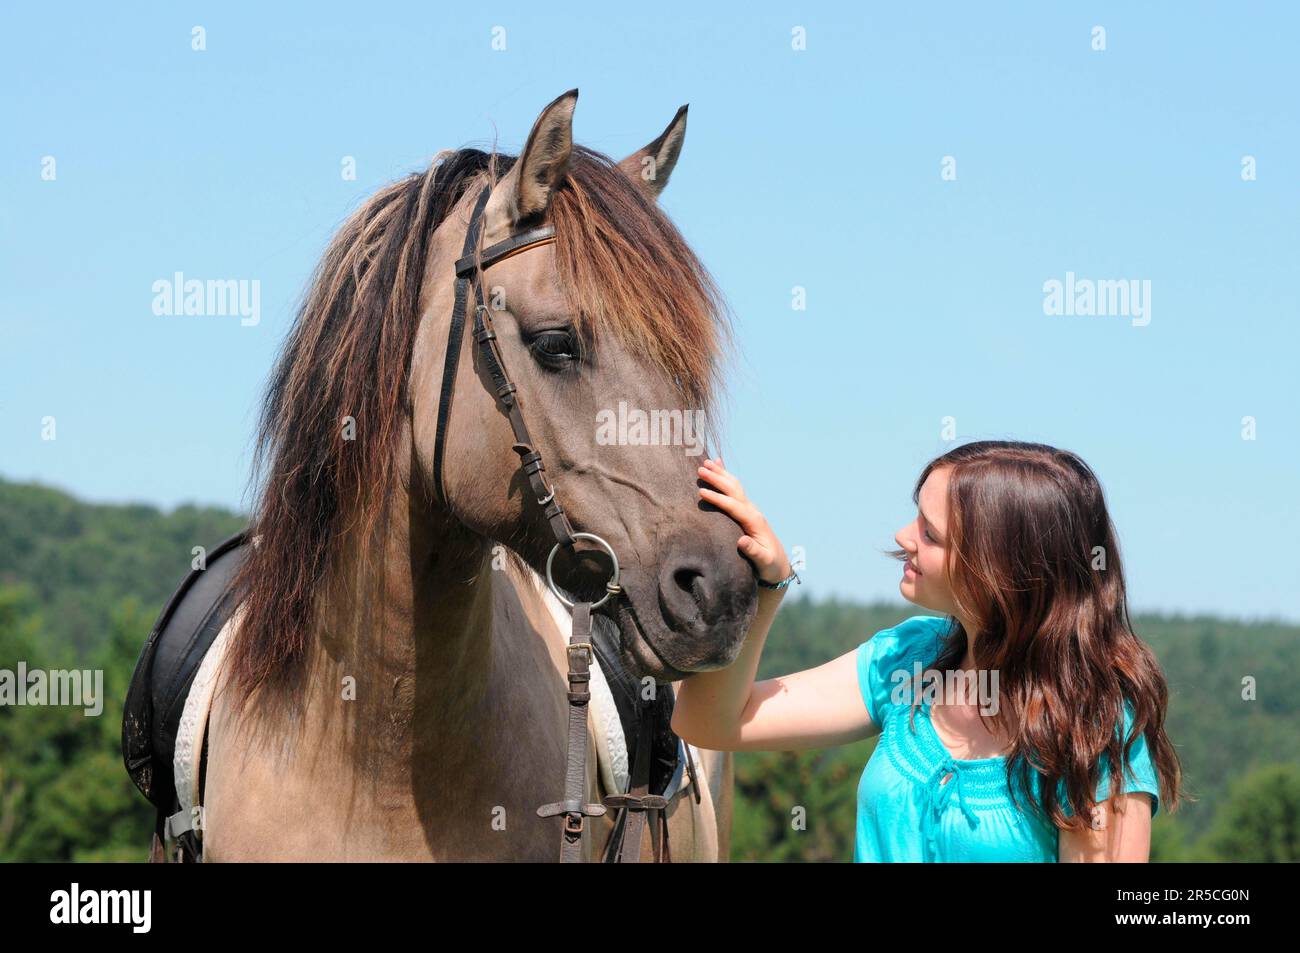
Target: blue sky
<point>818,168</point>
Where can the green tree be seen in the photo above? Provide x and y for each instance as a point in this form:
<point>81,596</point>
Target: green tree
<point>1260,821</point>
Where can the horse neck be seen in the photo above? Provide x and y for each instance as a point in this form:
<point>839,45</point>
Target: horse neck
<point>415,631</point>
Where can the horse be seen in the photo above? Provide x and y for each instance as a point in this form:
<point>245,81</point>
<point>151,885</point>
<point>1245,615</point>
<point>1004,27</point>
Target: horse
<point>392,686</point>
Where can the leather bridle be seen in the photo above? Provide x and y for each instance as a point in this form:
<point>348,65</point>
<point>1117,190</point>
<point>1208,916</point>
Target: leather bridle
<point>469,277</point>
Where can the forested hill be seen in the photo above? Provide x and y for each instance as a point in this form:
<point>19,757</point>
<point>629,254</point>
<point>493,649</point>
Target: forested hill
<point>81,584</point>
<point>81,560</point>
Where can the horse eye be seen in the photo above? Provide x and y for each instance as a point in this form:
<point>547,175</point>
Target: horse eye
<point>556,345</point>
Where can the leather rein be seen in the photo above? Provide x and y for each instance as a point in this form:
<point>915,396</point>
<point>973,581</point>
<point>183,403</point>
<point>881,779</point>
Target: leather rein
<point>469,279</point>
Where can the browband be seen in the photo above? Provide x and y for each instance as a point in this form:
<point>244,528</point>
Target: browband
<point>522,241</point>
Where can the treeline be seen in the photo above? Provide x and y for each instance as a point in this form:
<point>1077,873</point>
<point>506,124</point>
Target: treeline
<point>81,584</point>
<point>80,587</point>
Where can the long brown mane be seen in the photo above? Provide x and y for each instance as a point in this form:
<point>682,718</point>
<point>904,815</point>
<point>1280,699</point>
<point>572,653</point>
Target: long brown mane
<point>626,271</point>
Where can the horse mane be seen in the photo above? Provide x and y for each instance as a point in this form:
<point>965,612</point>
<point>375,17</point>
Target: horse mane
<point>626,271</point>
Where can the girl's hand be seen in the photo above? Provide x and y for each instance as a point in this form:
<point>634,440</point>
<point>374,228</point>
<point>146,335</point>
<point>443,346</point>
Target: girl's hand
<point>759,544</point>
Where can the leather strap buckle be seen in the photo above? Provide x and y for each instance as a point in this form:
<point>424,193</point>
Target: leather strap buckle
<point>570,809</point>
<point>635,802</point>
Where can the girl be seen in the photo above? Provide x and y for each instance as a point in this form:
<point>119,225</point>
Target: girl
<point>1015,754</point>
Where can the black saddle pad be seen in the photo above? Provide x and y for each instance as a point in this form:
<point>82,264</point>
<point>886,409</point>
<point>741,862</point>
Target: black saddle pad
<point>170,659</point>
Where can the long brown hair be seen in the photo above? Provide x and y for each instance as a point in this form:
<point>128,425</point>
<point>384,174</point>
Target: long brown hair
<point>1033,562</point>
<point>626,271</point>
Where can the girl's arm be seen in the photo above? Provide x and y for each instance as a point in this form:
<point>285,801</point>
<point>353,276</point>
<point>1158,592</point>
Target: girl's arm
<point>1115,838</point>
<point>725,710</point>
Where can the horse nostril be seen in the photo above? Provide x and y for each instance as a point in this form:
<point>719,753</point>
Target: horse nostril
<point>688,596</point>
<point>687,579</point>
<point>706,598</point>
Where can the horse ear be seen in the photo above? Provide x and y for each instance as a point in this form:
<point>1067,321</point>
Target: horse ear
<point>526,190</point>
<point>650,167</point>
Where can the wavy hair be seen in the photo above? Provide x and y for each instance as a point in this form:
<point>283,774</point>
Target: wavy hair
<point>1033,563</point>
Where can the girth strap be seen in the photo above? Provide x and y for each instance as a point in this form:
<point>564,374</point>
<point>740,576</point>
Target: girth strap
<point>625,848</point>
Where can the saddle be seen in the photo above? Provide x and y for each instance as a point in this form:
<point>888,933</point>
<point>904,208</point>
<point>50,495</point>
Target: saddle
<point>188,626</point>
<point>164,673</point>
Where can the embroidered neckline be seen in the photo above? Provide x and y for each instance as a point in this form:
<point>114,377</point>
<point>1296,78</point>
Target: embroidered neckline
<point>929,722</point>
<point>918,754</point>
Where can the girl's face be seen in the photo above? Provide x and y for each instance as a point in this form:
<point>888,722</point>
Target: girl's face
<point>925,539</point>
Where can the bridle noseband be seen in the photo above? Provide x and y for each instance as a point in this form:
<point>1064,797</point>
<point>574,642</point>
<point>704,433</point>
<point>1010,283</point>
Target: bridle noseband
<point>469,275</point>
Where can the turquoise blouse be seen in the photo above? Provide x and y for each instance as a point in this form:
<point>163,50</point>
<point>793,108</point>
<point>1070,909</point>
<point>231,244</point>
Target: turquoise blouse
<point>907,813</point>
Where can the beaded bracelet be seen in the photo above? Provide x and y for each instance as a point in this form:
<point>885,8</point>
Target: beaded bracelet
<point>782,584</point>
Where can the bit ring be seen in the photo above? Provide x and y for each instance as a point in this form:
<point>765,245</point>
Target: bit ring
<point>611,587</point>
